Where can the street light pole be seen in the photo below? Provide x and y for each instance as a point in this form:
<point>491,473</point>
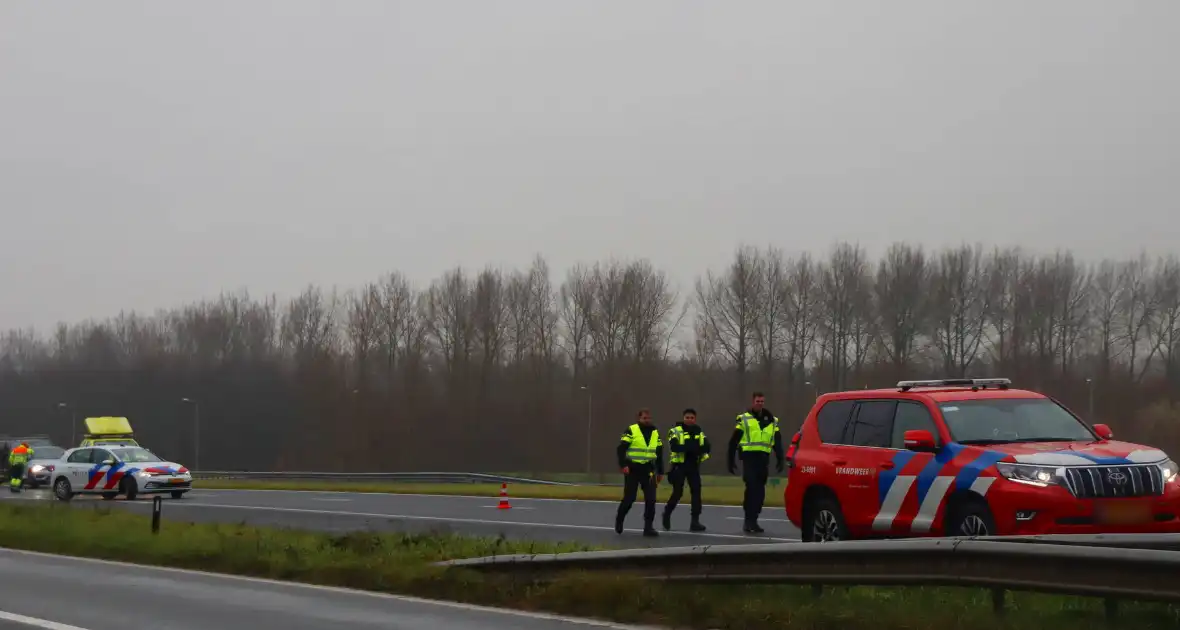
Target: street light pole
<point>814,389</point>
<point>73,422</point>
<point>196,432</point>
<point>589,426</point>
<point>1090,385</point>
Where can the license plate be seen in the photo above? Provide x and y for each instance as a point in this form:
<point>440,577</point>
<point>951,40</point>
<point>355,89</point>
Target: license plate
<point>176,481</point>
<point>1122,513</point>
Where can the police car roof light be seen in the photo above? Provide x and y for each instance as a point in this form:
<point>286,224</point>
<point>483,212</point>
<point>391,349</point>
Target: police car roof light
<point>974,383</point>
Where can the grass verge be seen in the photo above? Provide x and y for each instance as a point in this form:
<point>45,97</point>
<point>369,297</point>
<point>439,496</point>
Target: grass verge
<point>720,495</point>
<point>400,563</point>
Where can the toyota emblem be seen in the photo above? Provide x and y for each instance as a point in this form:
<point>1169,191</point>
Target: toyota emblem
<point>1116,478</point>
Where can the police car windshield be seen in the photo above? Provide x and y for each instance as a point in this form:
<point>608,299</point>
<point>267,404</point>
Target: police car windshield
<point>135,455</point>
<point>998,421</point>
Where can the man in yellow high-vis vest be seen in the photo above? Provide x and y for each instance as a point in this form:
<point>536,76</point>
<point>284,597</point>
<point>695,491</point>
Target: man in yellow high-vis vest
<point>17,460</point>
<point>757,435</point>
<point>641,458</point>
<point>690,448</point>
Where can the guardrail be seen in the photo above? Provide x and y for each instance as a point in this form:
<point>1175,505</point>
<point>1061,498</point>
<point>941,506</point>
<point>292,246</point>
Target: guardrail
<point>403,477</point>
<point>1130,568</point>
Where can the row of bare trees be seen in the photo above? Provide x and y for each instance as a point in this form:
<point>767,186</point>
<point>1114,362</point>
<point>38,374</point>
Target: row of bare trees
<point>502,369</point>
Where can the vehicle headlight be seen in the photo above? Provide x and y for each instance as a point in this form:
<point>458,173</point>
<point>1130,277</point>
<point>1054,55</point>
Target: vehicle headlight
<point>1040,476</point>
<point>37,468</point>
<point>143,474</point>
<point>1169,470</point>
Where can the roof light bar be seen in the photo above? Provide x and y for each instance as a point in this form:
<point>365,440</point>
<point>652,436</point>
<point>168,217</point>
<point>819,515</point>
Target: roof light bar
<point>977,383</point>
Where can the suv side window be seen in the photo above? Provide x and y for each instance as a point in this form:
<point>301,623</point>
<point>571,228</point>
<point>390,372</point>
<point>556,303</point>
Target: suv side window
<point>911,416</point>
<point>832,420</point>
<point>100,455</point>
<point>872,425</point>
<point>81,456</point>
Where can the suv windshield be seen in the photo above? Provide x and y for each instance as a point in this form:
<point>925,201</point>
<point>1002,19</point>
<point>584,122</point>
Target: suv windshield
<point>1012,420</point>
<point>135,455</point>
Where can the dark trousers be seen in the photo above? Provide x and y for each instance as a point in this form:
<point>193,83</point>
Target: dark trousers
<point>755,472</point>
<point>639,477</point>
<point>680,474</point>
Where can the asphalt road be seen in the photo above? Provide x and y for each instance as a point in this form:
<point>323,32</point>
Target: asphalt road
<point>591,522</point>
<point>59,593</point>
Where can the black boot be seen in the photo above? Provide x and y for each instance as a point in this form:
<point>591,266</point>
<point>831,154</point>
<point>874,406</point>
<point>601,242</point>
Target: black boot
<point>650,531</point>
<point>696,526</point>
<point>619,523</point>
<point>667,520</point>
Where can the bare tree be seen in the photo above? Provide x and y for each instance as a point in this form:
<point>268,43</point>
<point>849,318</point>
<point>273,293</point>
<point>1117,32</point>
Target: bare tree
<point>401,324</point>
<point>730,305</point>
<point>961,303</point>
<point>309,325</point>
<point>1136,310</point>
<point>900,292</point>
<point>364,327</point>
<point>845,284</point>
<point>576,299</point>
<point>803,300</point>
<point>449,321</point>
<point>1165,326</point>
<point>490,321</point>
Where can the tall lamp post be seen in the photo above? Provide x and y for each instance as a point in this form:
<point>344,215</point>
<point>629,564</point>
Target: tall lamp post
<point>1090,386</point>
<point>589,425</point>
<point>73,422</point>
<point>814,389</point>
<point>196,432</point>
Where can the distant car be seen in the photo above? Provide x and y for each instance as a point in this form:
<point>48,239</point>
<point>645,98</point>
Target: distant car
<point>111,471</point>
<point>40,468</point>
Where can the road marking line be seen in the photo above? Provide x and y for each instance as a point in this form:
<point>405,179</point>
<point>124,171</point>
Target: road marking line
<point>414,517</point>
<point>448,496</point>
<point>36,623</point>
<point>769,520</point>
<point>594,623</point>
<point>331,499</point>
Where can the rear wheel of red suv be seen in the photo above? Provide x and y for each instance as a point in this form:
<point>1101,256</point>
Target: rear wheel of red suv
<point>823,521</point>
<point>970,518</point>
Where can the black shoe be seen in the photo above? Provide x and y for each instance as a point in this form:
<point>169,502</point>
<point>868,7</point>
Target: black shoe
<point>650,532</point>
<point>754,527</point>
<point>696,526</point>
<point>667,521</point>
<point>618,525</point>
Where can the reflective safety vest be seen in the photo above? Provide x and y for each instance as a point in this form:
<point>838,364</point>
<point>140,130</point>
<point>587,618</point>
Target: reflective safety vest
<point>638,450</point>
<point>678,434</point>
<point>755,438</point>
<point>19,455</point>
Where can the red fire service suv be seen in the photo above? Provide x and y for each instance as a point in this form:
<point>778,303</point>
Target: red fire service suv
<point>969,457</point>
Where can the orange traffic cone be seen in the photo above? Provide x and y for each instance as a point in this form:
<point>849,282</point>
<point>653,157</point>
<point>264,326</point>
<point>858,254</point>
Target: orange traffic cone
<point>503,498</point>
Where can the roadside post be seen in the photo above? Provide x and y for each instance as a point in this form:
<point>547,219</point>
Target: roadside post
<point>157,505</point>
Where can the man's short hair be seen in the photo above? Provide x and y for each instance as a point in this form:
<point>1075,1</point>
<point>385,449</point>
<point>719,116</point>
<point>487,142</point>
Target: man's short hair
<point>688,411</point>
<point>642,410</point>
<point>758,395</point>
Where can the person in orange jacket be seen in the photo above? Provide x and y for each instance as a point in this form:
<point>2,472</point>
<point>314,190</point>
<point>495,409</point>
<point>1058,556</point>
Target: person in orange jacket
<point>17,460</point>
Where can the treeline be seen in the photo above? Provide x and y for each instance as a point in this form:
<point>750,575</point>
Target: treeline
<point>501,369</point>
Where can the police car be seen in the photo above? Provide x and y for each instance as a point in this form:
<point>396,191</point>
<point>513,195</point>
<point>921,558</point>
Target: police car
<point>969,457</point>
<point>113,469</point>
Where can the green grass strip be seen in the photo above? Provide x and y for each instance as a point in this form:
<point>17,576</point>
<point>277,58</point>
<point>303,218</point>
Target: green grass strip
<point>401,563</point>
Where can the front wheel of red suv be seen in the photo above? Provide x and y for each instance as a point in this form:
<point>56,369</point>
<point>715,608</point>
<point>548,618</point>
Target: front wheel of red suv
<point>971,519</point>
<point>823,521</point>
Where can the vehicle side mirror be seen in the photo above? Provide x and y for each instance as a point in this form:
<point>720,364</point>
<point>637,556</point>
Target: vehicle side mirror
<point>1103,431</point>
<point>108,462</point>
<point>919,440</point>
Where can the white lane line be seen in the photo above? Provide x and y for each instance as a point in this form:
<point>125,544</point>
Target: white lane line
<point>449,496</point>
<point>440,519</point>
<point>331,499</point>
<point>36,623</point>
<point>769,520</point>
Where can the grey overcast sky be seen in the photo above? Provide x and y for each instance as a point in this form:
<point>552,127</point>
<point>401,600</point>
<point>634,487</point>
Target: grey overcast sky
<point>154,153</point>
